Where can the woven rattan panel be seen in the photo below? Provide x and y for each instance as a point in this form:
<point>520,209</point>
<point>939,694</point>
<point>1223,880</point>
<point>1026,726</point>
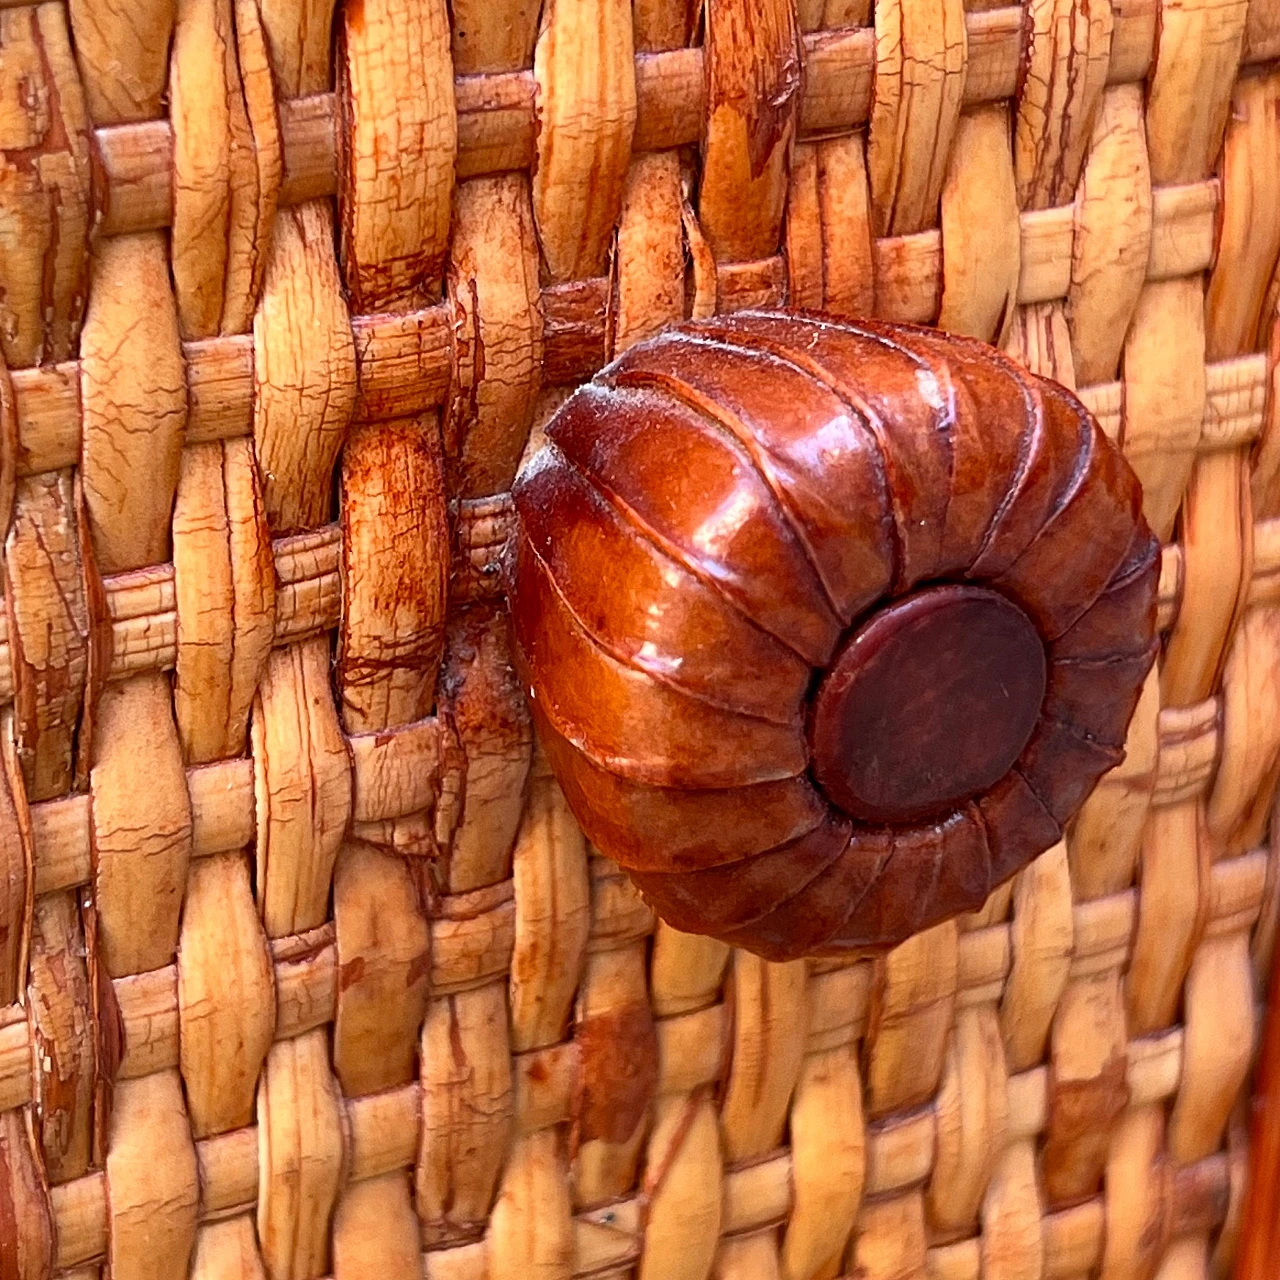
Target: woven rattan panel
<point>305,968</point>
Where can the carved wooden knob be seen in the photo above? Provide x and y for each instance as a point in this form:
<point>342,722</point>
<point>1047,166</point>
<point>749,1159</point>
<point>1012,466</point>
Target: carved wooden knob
<point>828,628</point>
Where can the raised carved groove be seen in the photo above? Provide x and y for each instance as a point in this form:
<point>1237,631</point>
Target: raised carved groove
<point>887,680</point>
<point>141,602</point>
<point>222,793</point>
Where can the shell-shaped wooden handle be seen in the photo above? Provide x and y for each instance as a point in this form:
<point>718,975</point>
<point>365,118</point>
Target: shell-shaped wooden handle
<point>828,628</point>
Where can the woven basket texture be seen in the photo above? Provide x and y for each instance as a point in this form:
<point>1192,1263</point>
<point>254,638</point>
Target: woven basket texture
<point>305,969</point>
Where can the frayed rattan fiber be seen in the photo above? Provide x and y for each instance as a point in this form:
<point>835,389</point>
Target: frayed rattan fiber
<point>305,969</point>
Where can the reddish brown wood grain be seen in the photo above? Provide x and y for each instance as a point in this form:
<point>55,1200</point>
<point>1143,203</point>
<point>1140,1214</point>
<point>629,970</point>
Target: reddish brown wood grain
<point>1260,1233</point>
<point>963,660</point>
<point>828,629</point>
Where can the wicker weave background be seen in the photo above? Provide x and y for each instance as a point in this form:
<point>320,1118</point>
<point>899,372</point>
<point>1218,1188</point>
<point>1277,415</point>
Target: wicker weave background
<point>304,968</point>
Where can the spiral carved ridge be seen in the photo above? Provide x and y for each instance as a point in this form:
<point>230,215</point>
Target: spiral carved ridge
<point>828,629</point>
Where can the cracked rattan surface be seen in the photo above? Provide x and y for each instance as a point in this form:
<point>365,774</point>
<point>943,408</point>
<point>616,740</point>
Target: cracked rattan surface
<point>305,970</point>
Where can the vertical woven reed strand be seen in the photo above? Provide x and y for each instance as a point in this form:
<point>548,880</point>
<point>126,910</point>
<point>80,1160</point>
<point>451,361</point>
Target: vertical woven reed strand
<point>306,969</point>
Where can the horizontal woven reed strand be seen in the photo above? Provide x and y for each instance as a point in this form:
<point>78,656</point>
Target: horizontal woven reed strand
<point>306,969</point>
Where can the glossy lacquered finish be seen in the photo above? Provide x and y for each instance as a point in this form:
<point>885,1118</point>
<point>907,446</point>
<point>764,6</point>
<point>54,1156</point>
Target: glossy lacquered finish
<point>827,628</point>
<point>964,666</point>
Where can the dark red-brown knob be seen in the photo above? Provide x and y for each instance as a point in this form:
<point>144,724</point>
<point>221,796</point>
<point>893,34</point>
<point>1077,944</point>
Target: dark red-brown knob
<point>828,629</point>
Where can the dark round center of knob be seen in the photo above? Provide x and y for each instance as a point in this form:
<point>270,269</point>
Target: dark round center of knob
<point>927,704</point>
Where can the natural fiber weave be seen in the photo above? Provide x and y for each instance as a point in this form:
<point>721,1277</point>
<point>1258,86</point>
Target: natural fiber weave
<point>305,969</point>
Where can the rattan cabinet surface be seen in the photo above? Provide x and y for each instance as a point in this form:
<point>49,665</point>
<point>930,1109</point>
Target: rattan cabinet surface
<point>305,968</point>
